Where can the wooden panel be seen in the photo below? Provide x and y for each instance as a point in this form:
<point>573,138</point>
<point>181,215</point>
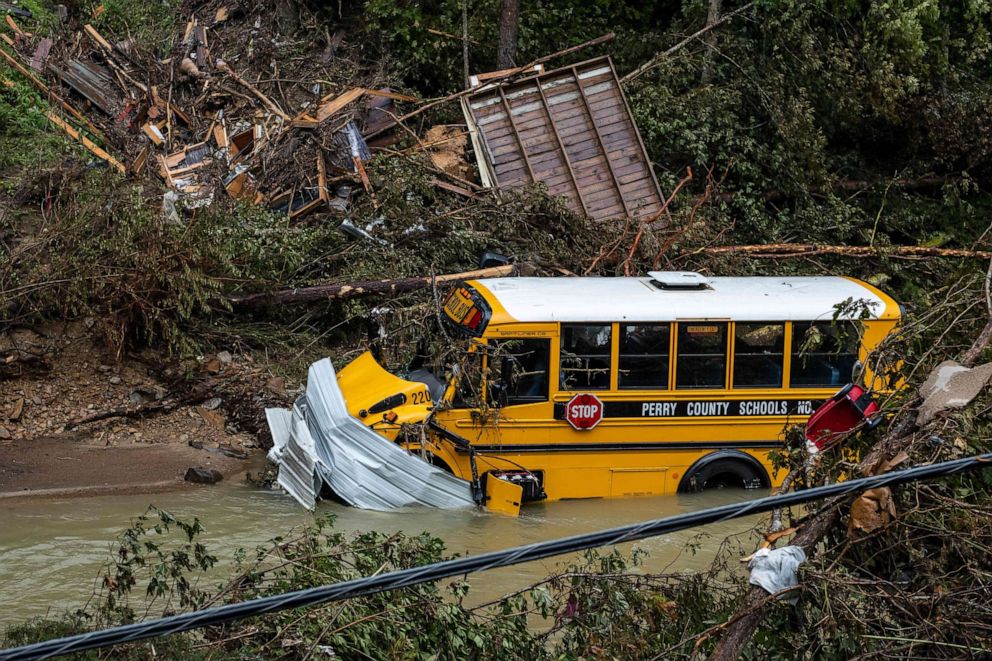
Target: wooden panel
<point>572,131</point>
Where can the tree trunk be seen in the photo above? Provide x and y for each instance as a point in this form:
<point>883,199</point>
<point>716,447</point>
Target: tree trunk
<point>509,23</point>
<point>366,288</point>
<point>712,16</point>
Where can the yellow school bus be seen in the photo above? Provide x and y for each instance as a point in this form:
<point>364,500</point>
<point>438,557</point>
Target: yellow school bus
<point>603,387</point>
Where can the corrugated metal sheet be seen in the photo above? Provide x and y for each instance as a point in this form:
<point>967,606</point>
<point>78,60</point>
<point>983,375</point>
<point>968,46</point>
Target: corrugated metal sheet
<point>320,442</point>
<point>572,130</point>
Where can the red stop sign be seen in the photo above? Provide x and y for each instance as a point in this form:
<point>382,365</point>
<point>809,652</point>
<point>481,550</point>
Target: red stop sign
<point>584,411</point>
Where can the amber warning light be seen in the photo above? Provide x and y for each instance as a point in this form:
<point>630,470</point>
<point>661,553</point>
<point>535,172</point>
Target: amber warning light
<point>463,309</point>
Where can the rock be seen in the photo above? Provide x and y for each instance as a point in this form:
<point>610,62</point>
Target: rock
<point>4,434</point>
<point>198,445</point>
<point>212,403</point>
<point>225,357</point>
<point>200,475</point>
<point>106,369</point>
<point>116,380</point>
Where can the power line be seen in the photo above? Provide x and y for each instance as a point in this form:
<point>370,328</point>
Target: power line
<point>360,587</point>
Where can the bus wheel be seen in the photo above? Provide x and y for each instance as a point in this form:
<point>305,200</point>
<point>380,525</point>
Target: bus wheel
<point>722,470</point>
<point>441,463</point>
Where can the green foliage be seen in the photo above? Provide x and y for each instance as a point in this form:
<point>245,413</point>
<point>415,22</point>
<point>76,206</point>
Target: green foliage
<point>26,137</point>
<point>110,252</point>
<point>151,23</point>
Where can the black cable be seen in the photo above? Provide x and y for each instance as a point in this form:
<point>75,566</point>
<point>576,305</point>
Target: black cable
<point>407,577</point>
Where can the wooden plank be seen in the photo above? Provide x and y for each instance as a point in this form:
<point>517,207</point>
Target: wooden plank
<point>332,105</point>
<point>322,178</point>
<point>16,28</point>
<point>458,190</point>
<point>153,133</point>
<point>98,38</point>
<point>86,142</point>
<point>392,95</point>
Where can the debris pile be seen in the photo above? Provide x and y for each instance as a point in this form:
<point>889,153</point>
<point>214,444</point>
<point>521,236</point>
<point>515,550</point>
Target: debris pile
<point>237,104</point>
<point>243,105</point>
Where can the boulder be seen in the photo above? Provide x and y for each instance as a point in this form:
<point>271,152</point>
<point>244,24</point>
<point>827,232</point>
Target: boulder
<point>200,475</point>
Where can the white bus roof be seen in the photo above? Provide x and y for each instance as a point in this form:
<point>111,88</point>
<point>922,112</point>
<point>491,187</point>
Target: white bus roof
<point>641,299</point>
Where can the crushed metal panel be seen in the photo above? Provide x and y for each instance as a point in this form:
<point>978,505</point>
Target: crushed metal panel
<point>320,438</point>
<point>570,129</point>
<point>93,82</point>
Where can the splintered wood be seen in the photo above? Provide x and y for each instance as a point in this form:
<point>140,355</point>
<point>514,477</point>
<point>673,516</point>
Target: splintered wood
<point>83,140</point>
<point>570,130</point>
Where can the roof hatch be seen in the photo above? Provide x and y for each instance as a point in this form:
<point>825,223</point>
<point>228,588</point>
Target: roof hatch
<point>678,280</point>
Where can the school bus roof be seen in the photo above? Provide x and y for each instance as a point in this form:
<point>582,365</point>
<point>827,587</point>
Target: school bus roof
<point>641,299</point>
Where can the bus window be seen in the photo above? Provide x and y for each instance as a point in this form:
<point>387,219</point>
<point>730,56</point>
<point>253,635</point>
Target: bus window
<point>469,375</point>
<point>644,356</point>
<point>702,355</point>
<point>823,354</point>
<point>518,371</point>
<point>585,356</point>
<point>759,353</point>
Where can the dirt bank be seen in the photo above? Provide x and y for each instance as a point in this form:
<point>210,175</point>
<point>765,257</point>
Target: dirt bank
<point>75,465</point>
<point>42,453</point>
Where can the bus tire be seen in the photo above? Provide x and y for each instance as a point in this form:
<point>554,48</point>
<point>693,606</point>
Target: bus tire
<point>726,468</point>
<point>441,463</point>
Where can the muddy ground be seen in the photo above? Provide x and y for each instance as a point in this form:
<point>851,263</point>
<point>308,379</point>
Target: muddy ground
<point>43,453</point>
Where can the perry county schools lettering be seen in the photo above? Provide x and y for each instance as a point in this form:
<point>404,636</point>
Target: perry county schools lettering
<point>725,408</point>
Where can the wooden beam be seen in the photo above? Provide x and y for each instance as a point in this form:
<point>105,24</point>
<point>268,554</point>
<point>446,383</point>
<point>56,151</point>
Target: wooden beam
<point>332,105</point>
<point>86,142</point>
<point>599,138</point>
<point>561,144</point>
<point>516,134</point>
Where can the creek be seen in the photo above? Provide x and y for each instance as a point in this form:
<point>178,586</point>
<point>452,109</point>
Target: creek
<point>52,549</point>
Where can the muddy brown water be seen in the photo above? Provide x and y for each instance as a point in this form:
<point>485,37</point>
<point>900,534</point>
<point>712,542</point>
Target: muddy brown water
<point>52,549</point>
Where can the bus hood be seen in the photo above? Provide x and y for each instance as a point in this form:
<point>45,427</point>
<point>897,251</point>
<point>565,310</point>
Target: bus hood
<point>320,441</point>
<point>382,400</point>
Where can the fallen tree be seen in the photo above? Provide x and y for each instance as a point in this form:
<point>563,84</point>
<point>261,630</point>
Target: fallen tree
<point>786,250</point>
<point>365,288</point>
<point>738,630</point>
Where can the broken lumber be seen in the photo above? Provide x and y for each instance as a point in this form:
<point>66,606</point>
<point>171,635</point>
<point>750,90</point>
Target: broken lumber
<point>787,250</point>
<point>331,105</point>
<point>86,142</point>
<point>340,292</point>
<point>49,93</point>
